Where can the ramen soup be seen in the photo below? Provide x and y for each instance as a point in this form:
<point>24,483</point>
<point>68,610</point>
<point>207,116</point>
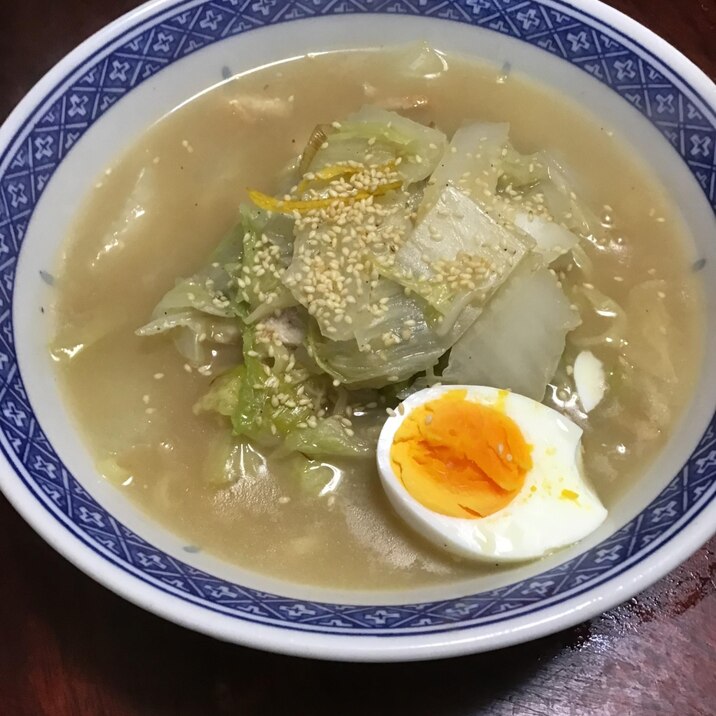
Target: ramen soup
<point>276,267</point>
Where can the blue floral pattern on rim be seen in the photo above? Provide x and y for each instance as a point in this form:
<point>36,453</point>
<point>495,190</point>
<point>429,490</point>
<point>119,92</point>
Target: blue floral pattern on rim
<point>43,142</point>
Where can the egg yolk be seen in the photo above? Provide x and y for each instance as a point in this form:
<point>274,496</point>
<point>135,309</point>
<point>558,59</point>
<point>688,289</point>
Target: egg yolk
<point>461,458</point>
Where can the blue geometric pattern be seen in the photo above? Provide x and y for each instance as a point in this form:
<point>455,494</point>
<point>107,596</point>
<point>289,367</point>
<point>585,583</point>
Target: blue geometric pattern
<point>44,141</point>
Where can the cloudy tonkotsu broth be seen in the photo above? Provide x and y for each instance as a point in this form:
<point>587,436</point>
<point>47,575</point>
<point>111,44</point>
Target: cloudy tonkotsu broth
<point>162,207</point>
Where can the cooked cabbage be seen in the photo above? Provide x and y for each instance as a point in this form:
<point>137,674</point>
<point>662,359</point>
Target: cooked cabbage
<point>201,310</point>
<point>377,136</point>
<point>472,163</point>
<point>392,262</point>
<point>393,347</point>
<point>457,255</point>
<point>519,339</point>
<point>276,403</point>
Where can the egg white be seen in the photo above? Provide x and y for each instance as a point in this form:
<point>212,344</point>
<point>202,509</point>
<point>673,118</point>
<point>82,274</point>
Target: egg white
<point>537,521</point>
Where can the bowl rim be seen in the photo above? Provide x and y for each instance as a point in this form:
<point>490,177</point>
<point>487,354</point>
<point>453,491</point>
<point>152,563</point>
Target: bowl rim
<point>614,590</point>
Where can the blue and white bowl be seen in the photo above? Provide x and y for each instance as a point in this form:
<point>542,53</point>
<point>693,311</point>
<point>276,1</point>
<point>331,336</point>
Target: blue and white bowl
<point>95,102</point>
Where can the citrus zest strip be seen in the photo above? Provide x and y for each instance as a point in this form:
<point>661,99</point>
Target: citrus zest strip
<point>283,206</point>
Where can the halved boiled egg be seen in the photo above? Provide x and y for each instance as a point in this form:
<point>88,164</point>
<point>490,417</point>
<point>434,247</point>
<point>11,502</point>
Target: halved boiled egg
<point>487,474</point>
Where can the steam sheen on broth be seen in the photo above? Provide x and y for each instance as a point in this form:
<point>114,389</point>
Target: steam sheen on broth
<point>165,204</point>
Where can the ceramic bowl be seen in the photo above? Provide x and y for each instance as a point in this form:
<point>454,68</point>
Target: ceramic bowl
<point>97,100</point>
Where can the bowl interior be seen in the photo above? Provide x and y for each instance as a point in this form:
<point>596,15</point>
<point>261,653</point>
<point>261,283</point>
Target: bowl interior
<point>102,99</point>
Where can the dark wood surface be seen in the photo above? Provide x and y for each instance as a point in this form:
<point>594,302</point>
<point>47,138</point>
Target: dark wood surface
<point>68,647</point>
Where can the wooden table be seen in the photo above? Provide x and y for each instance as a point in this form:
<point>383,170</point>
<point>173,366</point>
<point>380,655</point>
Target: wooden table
<point>68,647</point>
